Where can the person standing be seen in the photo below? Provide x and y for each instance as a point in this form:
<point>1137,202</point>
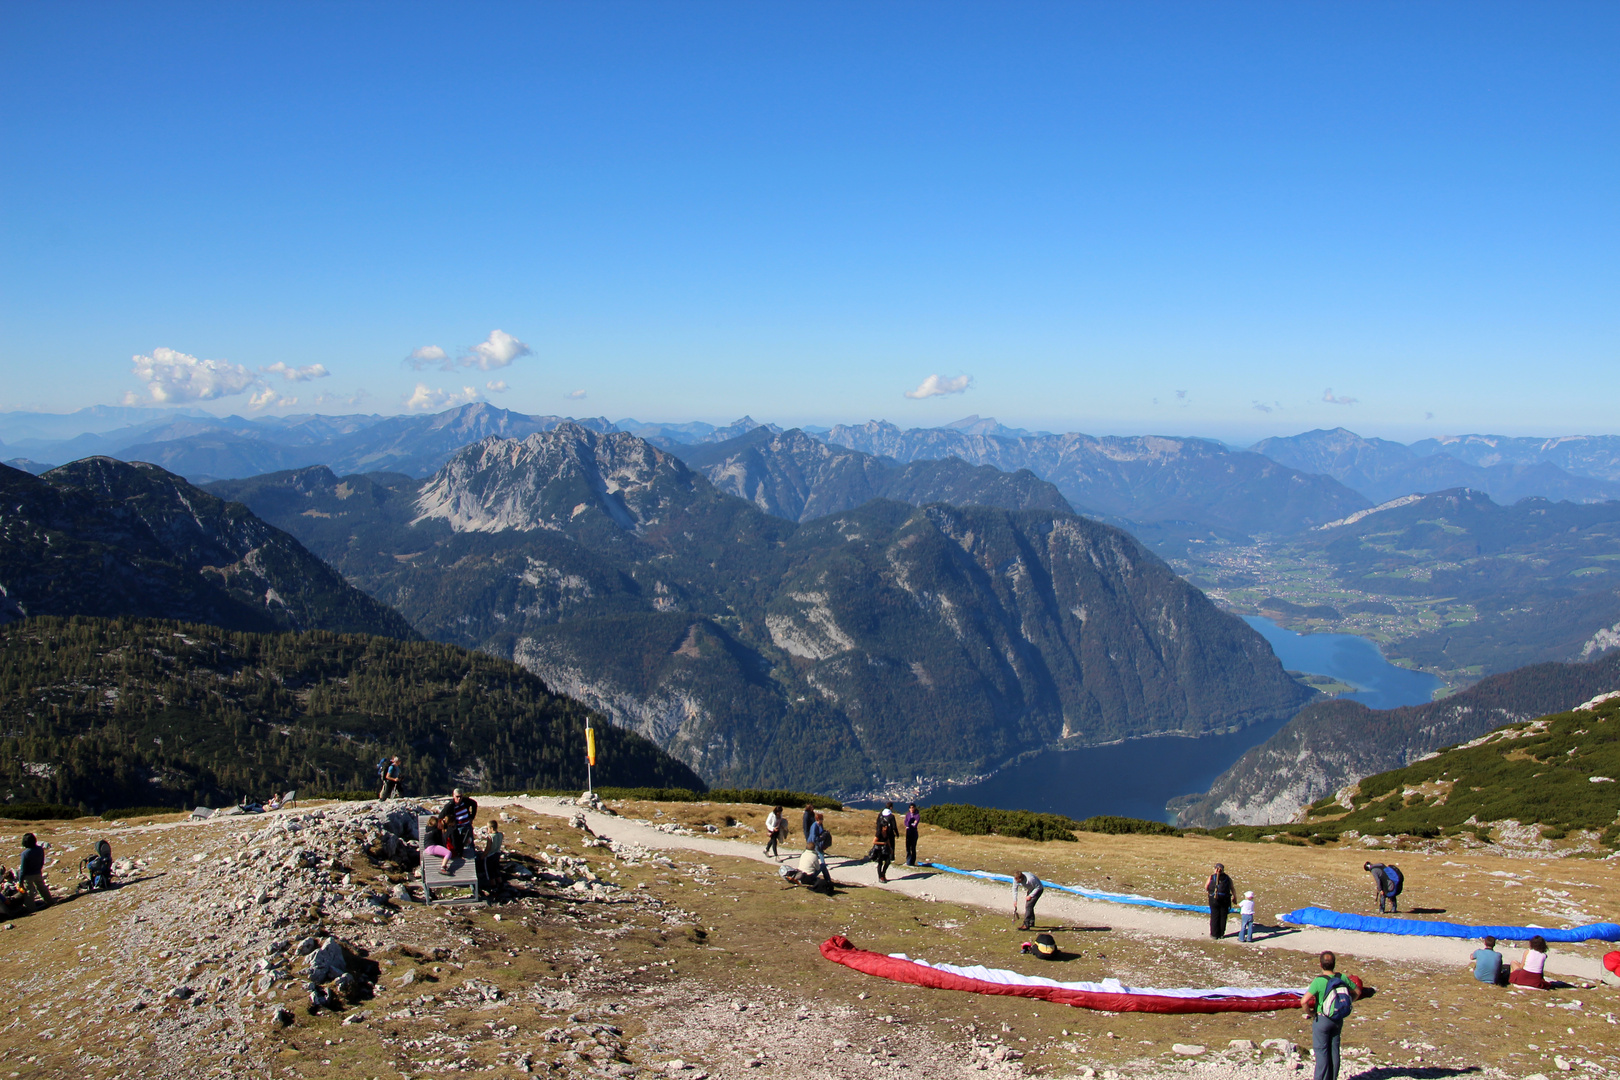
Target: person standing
<point>883,841</point>
<point>462,811</point>
<point>810,816</point>
<point>1246,913</point>
<point>1033,888</point>
<point>31,872</point>
<point>773,831</point>
<point>390,779</point>
<point>1219,889</point>
<point>1327,1003</point>
<point>1488,964</point>
<point>913,819</point>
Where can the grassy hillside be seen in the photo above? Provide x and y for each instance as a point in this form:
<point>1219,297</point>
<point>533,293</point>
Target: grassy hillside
<point>1541,771</point>
<point>105,713</point>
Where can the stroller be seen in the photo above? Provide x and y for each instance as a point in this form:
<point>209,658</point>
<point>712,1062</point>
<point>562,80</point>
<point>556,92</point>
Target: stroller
<point>98,869</point>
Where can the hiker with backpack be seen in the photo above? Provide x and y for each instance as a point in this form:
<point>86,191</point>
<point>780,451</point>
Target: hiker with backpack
<point>1327,1002</point>
<point>883,842</point>
<point>1388,881</point>
<point>389,771</point>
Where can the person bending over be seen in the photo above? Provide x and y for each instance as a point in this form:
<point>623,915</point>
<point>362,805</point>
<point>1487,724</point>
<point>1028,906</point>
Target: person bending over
<point>1033,888</point>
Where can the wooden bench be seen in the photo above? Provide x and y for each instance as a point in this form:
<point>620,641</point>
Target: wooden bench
<point>459,886</point>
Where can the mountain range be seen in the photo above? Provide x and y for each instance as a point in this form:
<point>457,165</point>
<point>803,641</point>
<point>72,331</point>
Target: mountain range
<point>102,537</point>
<point>860,650</point>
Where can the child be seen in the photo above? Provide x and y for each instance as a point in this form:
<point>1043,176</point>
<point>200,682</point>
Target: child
<point>1246,909</point>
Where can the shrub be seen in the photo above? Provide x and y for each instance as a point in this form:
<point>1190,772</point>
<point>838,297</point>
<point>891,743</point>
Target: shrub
<point>1116,826</point>
<point>140,811</point>
<point>35,811</point>
<point>983,821</point>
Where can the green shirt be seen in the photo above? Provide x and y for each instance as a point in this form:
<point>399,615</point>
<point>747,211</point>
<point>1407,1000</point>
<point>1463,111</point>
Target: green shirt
<point>1319,986</point>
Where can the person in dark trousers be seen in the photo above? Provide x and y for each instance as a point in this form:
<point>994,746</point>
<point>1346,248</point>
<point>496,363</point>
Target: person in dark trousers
<point>883,841</point>
<point>1385,886</point>
<point>809,820</point>
<point>390,779</point>
<point>31,871</point>
<point>1488,966</point>
<point>1219,888</point>
<point>462,811</point>
<point>773,831</point>
<point>1323,999</point>
<point>913,819</point>
<point>1033,888</point>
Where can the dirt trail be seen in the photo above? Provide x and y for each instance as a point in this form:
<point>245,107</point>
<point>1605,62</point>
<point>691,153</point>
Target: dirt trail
<point>927,884</point>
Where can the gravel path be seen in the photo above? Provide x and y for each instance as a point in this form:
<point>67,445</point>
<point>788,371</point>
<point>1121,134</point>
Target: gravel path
<point>926,884</point>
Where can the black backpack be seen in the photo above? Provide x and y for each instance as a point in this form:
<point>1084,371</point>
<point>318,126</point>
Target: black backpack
<point>382,769</point>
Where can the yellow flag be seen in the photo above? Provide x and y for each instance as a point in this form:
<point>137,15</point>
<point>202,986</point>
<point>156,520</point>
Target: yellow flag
<point>590,745</point>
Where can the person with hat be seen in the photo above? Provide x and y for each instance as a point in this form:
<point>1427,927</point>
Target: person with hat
<point>1219,888</point>
<point>1246,912</point>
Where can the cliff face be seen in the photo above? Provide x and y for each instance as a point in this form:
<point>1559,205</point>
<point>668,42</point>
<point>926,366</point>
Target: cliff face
<point>1333,744</point>
<point>865,647</point>
<point>102,537</point>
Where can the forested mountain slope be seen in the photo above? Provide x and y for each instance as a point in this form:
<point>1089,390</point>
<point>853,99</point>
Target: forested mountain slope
<point>101,537</point>
<point>1332,744</point>
<point>864,649</point>
<point>104,713</point>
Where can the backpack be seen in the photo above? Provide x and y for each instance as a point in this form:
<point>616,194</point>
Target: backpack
<point>1396,881</point>
<point>1046,947</point>
<point>824,841</point>
<point>1337,999</point>
<point>382,769</point>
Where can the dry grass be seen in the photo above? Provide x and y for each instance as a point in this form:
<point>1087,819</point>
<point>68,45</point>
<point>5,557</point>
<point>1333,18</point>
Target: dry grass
<point>734,934</point>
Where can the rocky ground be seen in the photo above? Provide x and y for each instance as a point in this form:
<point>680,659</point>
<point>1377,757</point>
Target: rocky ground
<point>295,945</point>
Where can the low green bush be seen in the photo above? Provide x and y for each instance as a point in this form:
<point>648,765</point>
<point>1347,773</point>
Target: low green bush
<point>983,821</point>
<point>1116,826</point>
<point>139,811</point>
<point>35,811</point>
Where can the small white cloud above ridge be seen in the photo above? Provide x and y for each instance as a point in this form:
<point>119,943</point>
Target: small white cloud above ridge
<point>297,374</point>
<point>937,385</point>
<point>172,377</point>
<point>267,397</point>
<point>1334,399</point>
<point>497,351</point>
<point>497,386</point>
<point>426,355</point>
<point>575,395</point>
<point>425,397</point>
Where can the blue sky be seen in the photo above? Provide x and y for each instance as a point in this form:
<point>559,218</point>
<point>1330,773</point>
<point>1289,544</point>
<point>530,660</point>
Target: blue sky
<point>1114,218</point>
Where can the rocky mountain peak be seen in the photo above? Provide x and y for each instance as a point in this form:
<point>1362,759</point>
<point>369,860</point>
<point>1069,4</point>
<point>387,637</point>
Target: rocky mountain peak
<point>550,478</point>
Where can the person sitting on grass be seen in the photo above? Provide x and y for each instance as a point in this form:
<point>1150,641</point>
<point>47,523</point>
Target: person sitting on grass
<point>1488,964</point>
<point>1529,971</point>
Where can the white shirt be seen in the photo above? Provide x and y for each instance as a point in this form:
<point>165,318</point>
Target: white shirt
<point>1246,908</point>
<point>772,822</point>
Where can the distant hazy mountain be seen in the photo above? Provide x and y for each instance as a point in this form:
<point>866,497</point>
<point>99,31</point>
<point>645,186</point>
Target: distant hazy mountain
<point>100,537</point>
<point>1144,479</point>
<point>1383,470</point>
<point>29,465</point>
<point>1332,744</point>
<point>865,648</point>
<point>668,436</point>
<point>17,426</point>
<point>1595,456</point>
<point>794,476</point>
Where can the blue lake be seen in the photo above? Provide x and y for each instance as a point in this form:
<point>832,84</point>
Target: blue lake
<point>1379,684</point>
<point>1136,778</point>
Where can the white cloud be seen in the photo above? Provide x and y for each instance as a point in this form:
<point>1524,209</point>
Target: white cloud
<point>297,374</point>
<point>499,350</point>
<point>172,377</point>
<point>340,399</point>
<point>575,395</point>
<point>426,355</point>
<point>935,385</point>
<point>267,397</point>
<point>1333,399</point>
<point>424,397</point>
<point>497,386</point>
